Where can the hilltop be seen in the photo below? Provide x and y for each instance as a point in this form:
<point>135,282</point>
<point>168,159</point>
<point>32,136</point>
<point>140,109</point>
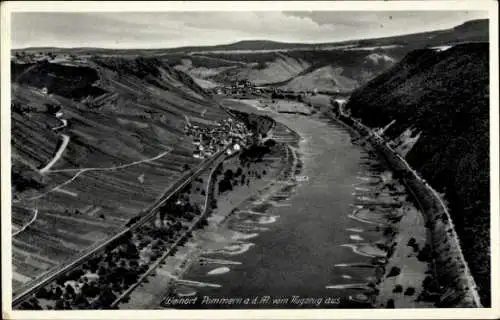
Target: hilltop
<point>445,95</point>
<point>470,31</point>
<point>330,67</point>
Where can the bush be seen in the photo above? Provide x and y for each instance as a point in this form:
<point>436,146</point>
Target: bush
<point>395,271</point>
<point>397,289</point>
<point>390,304</point>
<point>425,254</point>
<point>409,291</point>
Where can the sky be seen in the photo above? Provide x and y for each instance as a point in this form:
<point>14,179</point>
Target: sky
<point>174,29</point>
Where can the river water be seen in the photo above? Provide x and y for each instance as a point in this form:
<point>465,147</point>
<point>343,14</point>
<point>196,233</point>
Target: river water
<point>306,246</point>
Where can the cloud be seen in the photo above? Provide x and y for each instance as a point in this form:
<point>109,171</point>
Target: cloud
<point>172,29</point>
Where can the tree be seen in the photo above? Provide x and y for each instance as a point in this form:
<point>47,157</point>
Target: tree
<point>58,292</point>
<point>239,172</point>
<point>52,109</point>
<point>35,305</point>
<point>398,288</point>
<point>270,143</point>
<point>106,298</point>
<point>81,302</point>
<point>390,304</point>
<point>395,271</point>
<point>59,305</point>
<point>101,271</point>
<point>69,291</point>
<point>75,274</point>
<point>214,203</point>
<point>228,174</point>
<point>131,251</point>
<point>225,185</point>
<point>43,293</point>
<point>409,291</point>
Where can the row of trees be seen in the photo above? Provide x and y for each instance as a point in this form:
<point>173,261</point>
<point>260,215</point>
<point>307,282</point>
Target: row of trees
<point>121,265</point>
<point>287,96</point>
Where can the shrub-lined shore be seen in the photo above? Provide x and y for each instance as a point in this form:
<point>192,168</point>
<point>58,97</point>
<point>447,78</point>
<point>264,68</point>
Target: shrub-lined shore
<point>445,95</point>
<point>239,182</point>
<point>449,282</point>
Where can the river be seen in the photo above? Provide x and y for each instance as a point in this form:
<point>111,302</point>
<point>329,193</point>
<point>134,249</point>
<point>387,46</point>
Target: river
<point>311,248</point>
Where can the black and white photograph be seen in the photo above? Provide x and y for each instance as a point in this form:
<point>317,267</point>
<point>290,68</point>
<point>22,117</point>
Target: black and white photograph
<point>196,157</point>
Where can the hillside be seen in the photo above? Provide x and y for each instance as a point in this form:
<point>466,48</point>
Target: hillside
<point>325,79</point>
<point>272,68</point>
<point>444,94</point>
<point>94,143</point>
<point>324,70</point>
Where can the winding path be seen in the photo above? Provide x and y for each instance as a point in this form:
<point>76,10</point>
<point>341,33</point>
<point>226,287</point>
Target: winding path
<point>26,290</point>
<point>81,171</point>
<point>58,155</point>
<point>63,125</point>
<point>35,215</point>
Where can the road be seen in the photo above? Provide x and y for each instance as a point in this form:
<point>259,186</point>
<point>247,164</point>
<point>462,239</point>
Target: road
<point>63,125</point>
<point>58,154</point>
<point>147,214</point>
<point>35,215</point>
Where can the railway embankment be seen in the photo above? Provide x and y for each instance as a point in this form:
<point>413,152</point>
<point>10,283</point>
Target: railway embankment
<point>451,283</point>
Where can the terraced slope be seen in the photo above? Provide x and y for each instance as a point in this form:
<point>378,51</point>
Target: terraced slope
<point>123,120</point>
<point>325,79</point>
<point>444,94</point>
<point>262,69</point>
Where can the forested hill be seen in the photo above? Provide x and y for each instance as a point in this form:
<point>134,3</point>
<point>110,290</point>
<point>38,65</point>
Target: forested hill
<point>444,94</point>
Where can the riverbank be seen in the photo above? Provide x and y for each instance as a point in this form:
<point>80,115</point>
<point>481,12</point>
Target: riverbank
<point>249,181</point>
<point>447,281</point>
<point>382,201</point>
<point>379,203</point>
<point>368,256</point>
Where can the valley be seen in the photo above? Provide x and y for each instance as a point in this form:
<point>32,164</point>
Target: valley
<point>144,177</point>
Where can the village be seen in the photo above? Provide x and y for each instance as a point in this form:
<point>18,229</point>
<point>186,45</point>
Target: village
<point>27,57</point>
<point>245,88</point>
<point>208,141</point>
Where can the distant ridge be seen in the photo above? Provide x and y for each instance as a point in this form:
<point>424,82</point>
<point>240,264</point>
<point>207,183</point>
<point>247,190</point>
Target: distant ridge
<point>473,31</point>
